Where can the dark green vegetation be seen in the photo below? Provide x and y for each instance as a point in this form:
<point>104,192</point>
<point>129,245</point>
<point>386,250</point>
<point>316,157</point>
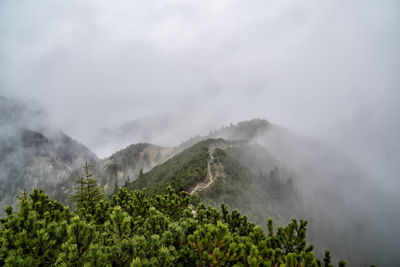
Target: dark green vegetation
<point>258,190</point>
<point>245,176</point>
<point>181,172</point>
<point>131,229</point>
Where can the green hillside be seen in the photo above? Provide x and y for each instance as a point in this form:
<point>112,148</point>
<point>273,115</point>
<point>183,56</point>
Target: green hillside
<point>182,171</point>
<point>244,176</point>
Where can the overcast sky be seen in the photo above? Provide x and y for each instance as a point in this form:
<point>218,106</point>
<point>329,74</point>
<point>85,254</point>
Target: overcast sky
<point>329,69</point>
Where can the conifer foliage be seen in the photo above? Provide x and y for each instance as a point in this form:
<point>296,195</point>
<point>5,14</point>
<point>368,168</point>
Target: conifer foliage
<point>87,192</point>
<point>132,229</point>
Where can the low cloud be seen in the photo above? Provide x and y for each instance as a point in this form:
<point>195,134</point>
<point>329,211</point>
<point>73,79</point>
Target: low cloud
<point>326,69</point>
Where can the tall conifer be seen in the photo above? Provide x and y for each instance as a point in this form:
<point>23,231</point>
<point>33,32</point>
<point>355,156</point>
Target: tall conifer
<point>87,192</point>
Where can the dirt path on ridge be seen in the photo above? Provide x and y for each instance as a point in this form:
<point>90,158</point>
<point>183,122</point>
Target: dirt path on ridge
<point>209,179</point>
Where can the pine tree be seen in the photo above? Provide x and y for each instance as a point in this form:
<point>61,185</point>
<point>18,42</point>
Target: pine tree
<point>76,248</point>
<point>78,198</point>
<point>132,229</point>
<point>87,192</point>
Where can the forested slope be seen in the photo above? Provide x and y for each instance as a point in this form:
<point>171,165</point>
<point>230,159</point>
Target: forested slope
<point>131,229</point>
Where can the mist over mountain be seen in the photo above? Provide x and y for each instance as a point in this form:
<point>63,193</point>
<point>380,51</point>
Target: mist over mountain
<point>279,108</point>
<point>325,180</point>
<point>115,171</point>
<point>260,168</point>
<point>161,129</point>
<point>32,159</point>
<point>342,196</point>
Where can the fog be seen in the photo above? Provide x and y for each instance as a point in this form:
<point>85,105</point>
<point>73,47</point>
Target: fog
<point>325,69</point>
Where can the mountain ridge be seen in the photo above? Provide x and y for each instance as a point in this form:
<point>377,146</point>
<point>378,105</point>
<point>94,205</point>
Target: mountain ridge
<point>320,177</point>
<point>218,171</point>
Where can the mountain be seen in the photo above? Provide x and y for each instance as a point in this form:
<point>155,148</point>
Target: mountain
<point>260,168</point>
<point>30,159</point>
<point>33,157</point>
<point>324,181</point>
<point>245,176</point>
<point>328,186</point>
<point>116,170</point>
<point>347,207</point>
